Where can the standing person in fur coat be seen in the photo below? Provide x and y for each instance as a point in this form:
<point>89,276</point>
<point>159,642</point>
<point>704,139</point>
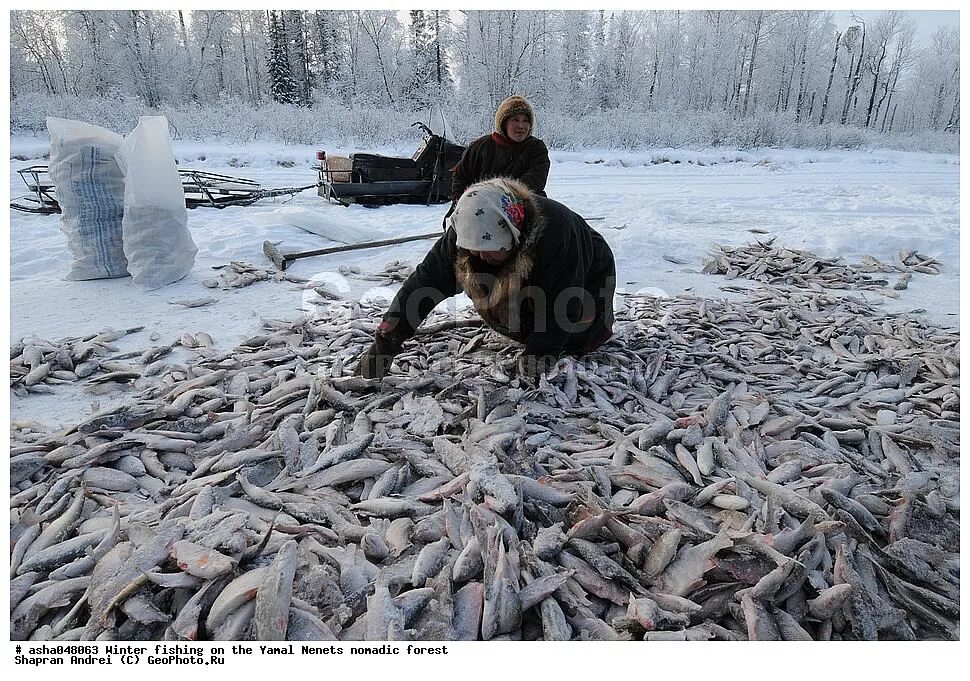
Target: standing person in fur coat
<point>535,271</point>
<point>508,151</point>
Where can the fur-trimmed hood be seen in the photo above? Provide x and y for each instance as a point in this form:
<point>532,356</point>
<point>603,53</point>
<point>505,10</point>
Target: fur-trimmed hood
<point>492,289</point>
<point>539,296</point>
<point>516,104</point>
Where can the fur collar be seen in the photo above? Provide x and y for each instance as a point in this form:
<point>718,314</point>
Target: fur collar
<point>504,141</point>
<point>512,275</point>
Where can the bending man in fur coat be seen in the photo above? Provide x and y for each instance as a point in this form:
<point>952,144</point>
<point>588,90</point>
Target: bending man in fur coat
<point>535,271</point>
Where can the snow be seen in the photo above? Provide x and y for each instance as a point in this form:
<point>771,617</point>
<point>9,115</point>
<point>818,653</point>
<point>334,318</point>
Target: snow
<point>658,207</point>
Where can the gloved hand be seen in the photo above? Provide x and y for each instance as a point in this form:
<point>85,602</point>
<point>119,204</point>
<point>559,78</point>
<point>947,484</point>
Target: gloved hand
<point>376,360</point>
<point>531,367</point>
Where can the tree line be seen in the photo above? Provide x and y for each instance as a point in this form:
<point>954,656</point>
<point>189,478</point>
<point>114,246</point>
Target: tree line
<point>797,63</point>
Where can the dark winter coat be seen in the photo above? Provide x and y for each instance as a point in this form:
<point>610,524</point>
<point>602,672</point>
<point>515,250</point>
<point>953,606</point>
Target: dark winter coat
<point>497,156</point>
<point>554,294</point>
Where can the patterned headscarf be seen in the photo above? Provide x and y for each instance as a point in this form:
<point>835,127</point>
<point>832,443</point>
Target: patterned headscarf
<point>488,217</point>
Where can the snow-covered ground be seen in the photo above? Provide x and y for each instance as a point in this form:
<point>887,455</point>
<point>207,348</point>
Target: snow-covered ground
<point>658,208</point>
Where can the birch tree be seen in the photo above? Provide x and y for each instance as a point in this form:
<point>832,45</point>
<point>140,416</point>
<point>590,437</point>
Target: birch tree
<point>889,27</point>
<point>495,50</point>
<point>147,47</point>
<point>760,26</point>
<point>902,59</point>
<point>35,41</point>
<point>87,40</point>
<point>378,26</point>
<point>939,74</point>
<point>854,39</point>
<point>828,86</point>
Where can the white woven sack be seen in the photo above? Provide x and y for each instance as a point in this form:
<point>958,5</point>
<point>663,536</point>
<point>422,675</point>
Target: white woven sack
<point>157,242</point>
<point>90,191</point>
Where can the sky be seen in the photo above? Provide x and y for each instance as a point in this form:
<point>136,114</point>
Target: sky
<point>927,22</point>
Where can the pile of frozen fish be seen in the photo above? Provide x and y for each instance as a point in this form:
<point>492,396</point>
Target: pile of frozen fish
<point>784,466</point>
<point>36,365</point>
<point>780,265</point>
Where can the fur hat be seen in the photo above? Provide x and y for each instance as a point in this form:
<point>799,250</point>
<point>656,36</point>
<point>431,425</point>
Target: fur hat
<point>489,216</point>
<point>513,105</point>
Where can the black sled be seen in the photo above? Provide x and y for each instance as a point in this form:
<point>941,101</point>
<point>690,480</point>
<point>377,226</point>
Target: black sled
<point>373,180</point>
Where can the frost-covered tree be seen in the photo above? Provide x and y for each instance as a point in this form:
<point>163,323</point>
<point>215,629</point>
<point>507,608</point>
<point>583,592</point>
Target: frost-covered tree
<point>760,23</point>
<point>88,43</point>
<point>716,71</point>
<point>427,59</point>
<point>206,54</point>
<point>944,62</point>
<point>328,56</point>
<point>376,40</point>
<point>930,95</point>
<point>603,90</point>
<point>577,50</point>
<point>766,66</point>
<point>572,84</point>
<point>35,47</point>
<point>828,86</point>
<point>283,88</point>
<point>891,28</point>
<point>147,42</point>
<point>296,37</point>
<point>419,57</point>
<point>497,52</point>
<point>854,41</point>
<point>422,37</point>
<point>251,32</point>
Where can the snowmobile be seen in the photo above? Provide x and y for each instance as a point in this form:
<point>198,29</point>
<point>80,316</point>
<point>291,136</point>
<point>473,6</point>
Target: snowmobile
<point>373,180</point>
